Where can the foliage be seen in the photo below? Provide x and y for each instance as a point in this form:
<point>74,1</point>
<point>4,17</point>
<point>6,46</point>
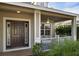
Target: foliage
<point>78,32</point>
<point>37,49</point>
<point>66,30</point>
<point>63,30</point>
<point>68,48</point>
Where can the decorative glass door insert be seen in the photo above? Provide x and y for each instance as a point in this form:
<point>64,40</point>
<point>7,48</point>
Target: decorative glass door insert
<point>17,34</point>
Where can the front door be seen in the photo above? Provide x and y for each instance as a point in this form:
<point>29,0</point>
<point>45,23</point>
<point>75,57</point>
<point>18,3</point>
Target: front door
<point>17,34</point>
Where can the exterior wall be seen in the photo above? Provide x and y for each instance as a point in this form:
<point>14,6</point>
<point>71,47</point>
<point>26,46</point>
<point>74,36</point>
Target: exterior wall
<point>15,15</point>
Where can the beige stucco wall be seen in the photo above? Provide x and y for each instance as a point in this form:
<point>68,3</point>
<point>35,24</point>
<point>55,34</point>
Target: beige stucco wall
<point>15,15</point>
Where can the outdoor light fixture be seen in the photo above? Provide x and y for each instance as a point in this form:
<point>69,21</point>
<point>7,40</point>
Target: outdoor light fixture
<point>48,21</point>
<point>18,11</point>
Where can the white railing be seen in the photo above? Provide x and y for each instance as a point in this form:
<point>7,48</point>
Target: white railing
<point>47,41</point>
<point>61,39</point>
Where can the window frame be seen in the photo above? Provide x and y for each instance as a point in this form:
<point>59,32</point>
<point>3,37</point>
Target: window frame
<point>49,36</point>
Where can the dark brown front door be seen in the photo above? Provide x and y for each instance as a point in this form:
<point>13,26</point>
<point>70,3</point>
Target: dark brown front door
<point>17,34</point>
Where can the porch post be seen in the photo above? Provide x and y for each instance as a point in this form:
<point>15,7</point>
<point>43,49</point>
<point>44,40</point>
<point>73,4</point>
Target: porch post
<point>37,24</point>
<point>74,29</point>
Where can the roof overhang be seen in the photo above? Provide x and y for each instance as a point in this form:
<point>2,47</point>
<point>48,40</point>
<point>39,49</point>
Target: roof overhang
<point>41,8</point>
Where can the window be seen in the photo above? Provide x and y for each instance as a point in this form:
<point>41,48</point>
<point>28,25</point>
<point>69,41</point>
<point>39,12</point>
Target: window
<point>46,30</point>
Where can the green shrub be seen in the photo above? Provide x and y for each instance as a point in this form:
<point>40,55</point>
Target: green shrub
<point>66,30</point>
<point>63,30</point>
<point>68,48</point>
<point>36,50</point>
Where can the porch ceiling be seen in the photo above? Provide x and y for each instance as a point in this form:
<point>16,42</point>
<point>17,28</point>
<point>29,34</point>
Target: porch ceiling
<point>56,16</point>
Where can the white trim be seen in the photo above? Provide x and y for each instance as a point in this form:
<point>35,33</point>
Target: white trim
<point>50,29</point>
<point>34,26</point>
<point>41,8</point>
<point>16,49</point>
<point>37,13</point>
<point>39,24</point>
<point>4,33</point>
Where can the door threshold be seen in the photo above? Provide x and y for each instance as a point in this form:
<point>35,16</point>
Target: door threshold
<point>16,49</point>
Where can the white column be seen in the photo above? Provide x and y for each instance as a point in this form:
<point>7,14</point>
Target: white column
<point>74,29</point>
<point>37,24</point>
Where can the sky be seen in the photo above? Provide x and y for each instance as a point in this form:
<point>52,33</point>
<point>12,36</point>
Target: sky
<point>66,6</point>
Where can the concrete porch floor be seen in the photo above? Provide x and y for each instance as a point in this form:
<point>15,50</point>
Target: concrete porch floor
<point>17,53</point>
